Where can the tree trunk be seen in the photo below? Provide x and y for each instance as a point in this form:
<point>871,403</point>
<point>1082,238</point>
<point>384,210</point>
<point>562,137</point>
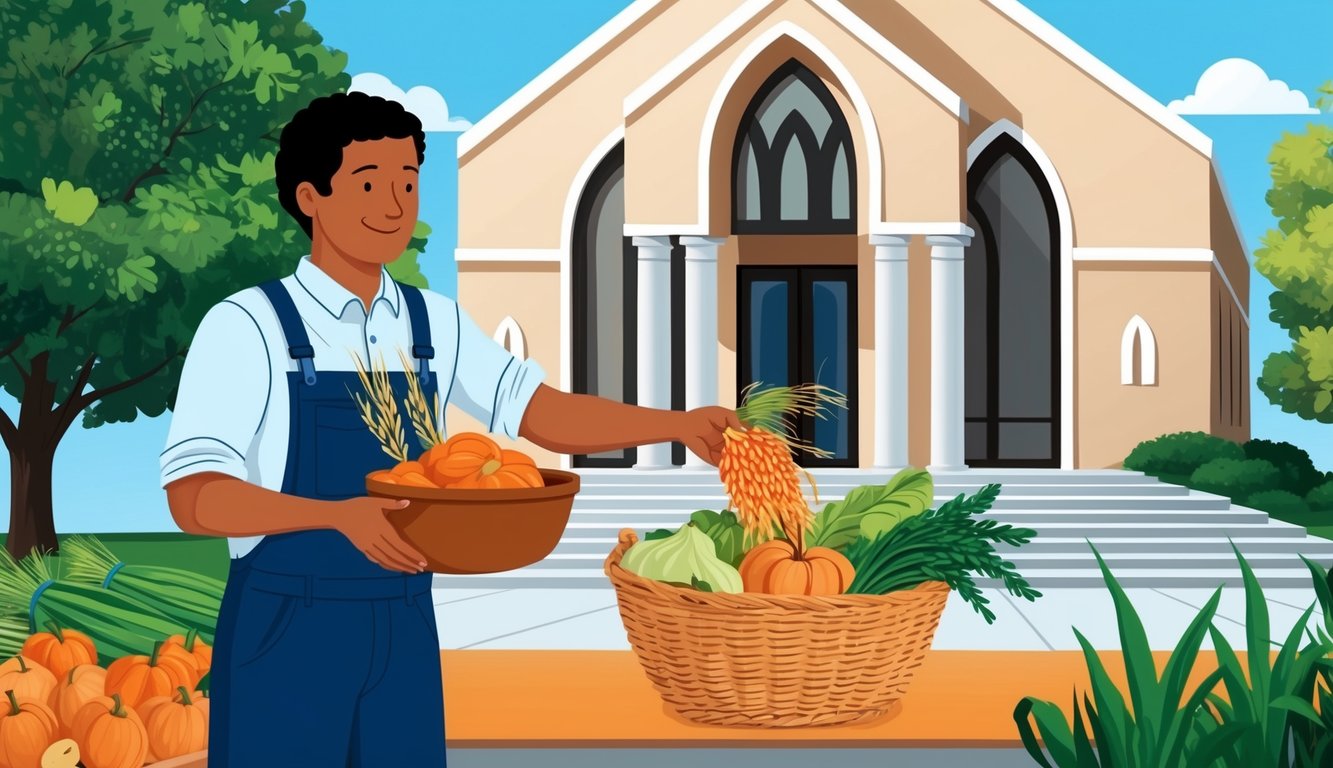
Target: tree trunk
<point>31,523</point>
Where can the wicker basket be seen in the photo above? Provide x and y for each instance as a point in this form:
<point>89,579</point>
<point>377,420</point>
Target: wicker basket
<point>775,660</point>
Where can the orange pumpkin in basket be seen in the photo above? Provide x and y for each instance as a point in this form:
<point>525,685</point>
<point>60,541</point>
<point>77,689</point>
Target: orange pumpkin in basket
<point>774,568</point>
<point>60,650</point>
<point>110,734</point>
<point>139,678</point>
<point>199,651</point>
<point>26,730</point>
<point>29,680</point>
<point>83,684</point>
<point>176,725</point>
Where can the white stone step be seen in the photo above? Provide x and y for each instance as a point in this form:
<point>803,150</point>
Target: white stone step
<point>1024,517</point>
<point>537,577</point>
<point>1026,561</point>
<point>1078,544</point>
<point>1192,501</point>
<point>976,477</point>
<point>611,527</point>
<point>829,490</point>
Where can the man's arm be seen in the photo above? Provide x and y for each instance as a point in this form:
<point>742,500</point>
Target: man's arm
<point>214,504</point>
<point>580,424</point>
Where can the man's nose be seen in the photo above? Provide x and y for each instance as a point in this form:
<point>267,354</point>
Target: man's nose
<point>396,210</point>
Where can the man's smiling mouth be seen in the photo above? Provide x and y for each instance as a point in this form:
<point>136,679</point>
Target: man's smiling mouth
<point>381,231</point>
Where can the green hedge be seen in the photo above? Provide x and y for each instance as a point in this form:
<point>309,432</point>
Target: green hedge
<point>1278,503</point>
<point>1181,453</point>
<point>1235,478</point>
<point>1274,476</point>
<point>1299,475</point>
<point>1320,499</point>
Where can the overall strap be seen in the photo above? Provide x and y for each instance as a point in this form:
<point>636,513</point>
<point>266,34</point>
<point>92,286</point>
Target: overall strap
<point>298,343</point>
<point>421,344</point>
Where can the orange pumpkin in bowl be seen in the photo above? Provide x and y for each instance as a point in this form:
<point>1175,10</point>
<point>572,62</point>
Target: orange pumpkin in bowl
<point>470,460</point>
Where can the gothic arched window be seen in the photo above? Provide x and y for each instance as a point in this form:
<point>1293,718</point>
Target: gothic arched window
<point>794,168</point>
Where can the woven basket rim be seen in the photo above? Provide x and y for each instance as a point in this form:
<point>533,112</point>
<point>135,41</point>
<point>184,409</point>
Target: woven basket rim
<point>752,600</point>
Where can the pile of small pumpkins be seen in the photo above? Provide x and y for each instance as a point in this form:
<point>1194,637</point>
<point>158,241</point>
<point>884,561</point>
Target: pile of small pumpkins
<point>466,461</point>
<point>60,709</point>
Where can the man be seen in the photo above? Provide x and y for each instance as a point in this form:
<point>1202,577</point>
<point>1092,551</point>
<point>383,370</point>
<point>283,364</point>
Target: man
<point>326,650</point>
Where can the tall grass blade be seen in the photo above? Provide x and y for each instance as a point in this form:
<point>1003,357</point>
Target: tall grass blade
<point>1175,676</point>
<point>1140,667</point>
<point>1054,730</point>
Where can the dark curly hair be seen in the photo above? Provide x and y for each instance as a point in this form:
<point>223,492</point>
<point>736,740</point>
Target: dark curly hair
<point>311,146</point>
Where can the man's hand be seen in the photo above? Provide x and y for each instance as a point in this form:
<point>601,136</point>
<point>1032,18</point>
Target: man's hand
<point>702,428</point>
<point>363,522</point>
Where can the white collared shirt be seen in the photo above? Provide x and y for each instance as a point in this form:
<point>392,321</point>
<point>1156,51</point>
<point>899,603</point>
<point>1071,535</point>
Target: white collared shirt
<point>231,413</point>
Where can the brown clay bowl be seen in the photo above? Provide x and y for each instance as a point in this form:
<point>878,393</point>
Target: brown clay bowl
<point>482,531</point>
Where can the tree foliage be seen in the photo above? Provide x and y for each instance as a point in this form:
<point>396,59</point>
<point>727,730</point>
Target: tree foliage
<point>1297,258</point>
<point>137,190</point>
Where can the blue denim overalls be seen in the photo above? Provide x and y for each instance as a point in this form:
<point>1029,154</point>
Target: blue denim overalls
<point>322,657</point>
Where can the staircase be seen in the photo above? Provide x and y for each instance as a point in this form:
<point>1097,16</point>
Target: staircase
<point>1151,534</point>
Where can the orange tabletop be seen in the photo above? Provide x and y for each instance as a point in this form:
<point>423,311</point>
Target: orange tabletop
<point>602,699</point>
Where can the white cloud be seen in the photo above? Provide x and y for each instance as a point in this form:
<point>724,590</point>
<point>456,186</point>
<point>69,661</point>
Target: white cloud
<point>423,101</point>
<point>1241,87</point>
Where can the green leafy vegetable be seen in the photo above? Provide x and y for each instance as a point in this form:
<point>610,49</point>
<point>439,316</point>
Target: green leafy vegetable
<point>872,510</point>
<point>726,532</point>
<point>660,533</point>
<point>942,544</point>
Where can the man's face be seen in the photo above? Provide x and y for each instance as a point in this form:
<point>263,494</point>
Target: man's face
<point>372,210</point>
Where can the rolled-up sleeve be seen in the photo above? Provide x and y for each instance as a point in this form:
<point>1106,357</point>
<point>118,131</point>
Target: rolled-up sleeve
<point>490,384</point>
<point>222,399</point>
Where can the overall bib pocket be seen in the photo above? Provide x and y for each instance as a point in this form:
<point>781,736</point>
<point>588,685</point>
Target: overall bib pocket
<point>342,439</point>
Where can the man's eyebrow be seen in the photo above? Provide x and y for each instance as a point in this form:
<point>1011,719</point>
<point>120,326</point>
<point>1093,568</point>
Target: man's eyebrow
<point>365,168</point>
<point>411,168</point>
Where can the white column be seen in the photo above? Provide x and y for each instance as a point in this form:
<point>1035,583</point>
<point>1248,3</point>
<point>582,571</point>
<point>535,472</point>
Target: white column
<point>890,350</point>
<point>700,327</point>
<point>654,339</point>
<point>946,351</point>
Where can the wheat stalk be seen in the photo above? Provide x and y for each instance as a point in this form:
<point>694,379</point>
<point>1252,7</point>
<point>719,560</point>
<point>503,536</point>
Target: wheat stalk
<point>379,410</point>
<point>423,419</point>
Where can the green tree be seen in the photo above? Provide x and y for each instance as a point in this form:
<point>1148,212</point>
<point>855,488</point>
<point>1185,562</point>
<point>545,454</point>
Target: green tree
<point>1297,258</point>
<point>136,190</point>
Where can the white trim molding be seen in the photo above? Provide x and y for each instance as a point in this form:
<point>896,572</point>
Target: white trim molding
<point>509,334</point>
<point>926,228</point>
<point>665,230</point>
<point>1137,327</point>
<point>1098,70</point>
<point>1086,253</point>
<point>748,13</point>
<point>1065,223</point>
<point>553,74</point>
<point>869,133</point>
<point>512,255</point>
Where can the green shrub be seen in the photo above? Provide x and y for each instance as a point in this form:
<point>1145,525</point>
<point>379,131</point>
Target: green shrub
<point>1180,453</point>
<point>1235,478</point>
<point>1320,498</point>
<point>1278,503</point>
<point>1298,471</point>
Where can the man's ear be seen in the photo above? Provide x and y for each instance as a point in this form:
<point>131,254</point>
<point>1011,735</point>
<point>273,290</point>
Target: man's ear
<point>306,198</point>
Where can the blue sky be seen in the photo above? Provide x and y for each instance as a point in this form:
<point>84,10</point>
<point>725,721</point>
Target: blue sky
<point>476,53</point>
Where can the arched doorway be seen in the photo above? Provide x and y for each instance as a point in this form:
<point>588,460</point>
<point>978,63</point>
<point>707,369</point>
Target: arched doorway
<point>794,172</point>
<point>603,301</point>
<point>603,290</point>
<point>1012,320</point>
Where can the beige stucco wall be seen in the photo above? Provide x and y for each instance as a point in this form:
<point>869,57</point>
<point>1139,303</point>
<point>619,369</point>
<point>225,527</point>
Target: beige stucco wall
<point>1118,166</point>
<point>1176,302</point>
<point>512,188</point>
<point>919,139</point>
<point>531,295</point>
<point>1130,183</point>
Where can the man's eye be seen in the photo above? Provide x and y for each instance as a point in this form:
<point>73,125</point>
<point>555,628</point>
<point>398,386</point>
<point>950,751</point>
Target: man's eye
<point>409,186</point>
<point>367,186</point>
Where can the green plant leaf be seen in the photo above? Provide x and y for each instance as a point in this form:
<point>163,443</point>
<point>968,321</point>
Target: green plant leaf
<point>908,493</point>
<point>660,533</point>
<point>1140,667</point>
<point>1054,731</point>
<point>67,203</point>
